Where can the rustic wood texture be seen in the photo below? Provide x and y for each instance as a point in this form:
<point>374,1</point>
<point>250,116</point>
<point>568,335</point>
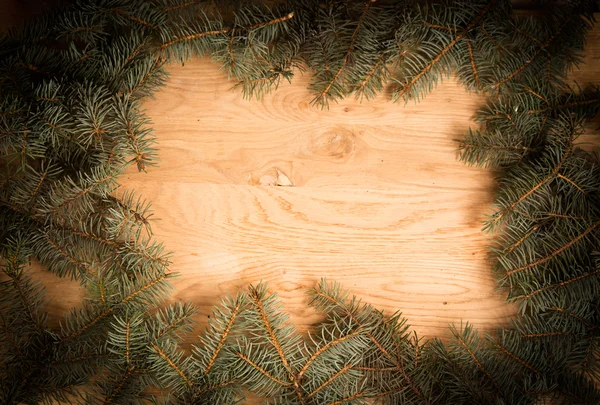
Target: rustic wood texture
<point>368,194</point>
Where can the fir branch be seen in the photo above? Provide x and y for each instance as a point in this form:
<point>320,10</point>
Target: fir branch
<point>172,364</point>
<point>551,176</point>
<point>522,239</point>
<point>473,66</point>
<point>365,81</point>
<point>261,370</point>
<point>474,23</point>
<point>197,35</point>
<point>543,334</point>
<point>571,182</point>
<point>180,6</point>
<point>566,105</point>
<point>326,347</point>
<point>224,336</point>
<point>556,252</point>
<point>350,398</point>
<point>111,397</point>
<point>560,284</point>
<point>478,363</point>
<point>194,36</point>
<point>346,59</point>
<point>342,371</point>
<point>542,49</point>
<point>537,95</point>
<point>516,358</point>
<point>161,278</point>
<point>256,297</point>
<point>570,314</point>
<point>439,27</point>
<point>123,13</point>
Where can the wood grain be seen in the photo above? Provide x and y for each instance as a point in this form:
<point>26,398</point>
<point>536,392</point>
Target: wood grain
<point>368,194</point>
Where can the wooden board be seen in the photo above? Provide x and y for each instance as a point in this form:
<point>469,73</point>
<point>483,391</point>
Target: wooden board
<point>368,194</point>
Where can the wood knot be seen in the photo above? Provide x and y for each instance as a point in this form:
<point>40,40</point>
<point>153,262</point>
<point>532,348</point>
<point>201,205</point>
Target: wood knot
<point>271,177</point>
<point>337,143</point>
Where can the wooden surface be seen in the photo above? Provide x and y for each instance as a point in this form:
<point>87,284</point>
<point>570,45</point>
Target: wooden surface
<point>368,194</point>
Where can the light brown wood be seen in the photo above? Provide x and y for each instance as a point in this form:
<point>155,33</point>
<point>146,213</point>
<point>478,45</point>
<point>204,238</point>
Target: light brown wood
<point>368,194</point>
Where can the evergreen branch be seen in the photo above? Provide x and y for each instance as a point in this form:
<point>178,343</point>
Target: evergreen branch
<point>127,343</point>
<point>326,347</point>
<point>555,252</point>
<point>136,51</point>
<point>533,189</point>
<point>182,5</point>
<point>477,362</point>
<point>172,364</point>
<point>541,49</point>
<point>95,184</point>
<point>279,20</point>
<point>560,284</point>
<point>120,12</point>
<point>358,395</point>
<point>568,313</point>
<point>93,237</point>
<point>349,51</point>
<point>516,358</point>
<point>224,31</point>
<point>111,397</point>
<point>28,306</point>
<point>10,112</point>
<point>557,215</point>
<point>589,352</point>
<point>439,27</point>
<point>264,317</point>
<point>108,311</point>
<point>50,100</point>
<point>376,369</point>
<point>411,384</point>
<point>373,339</point>
<point>223,338</point>
<point>38,186</point>
<point>194,36</point>
<point>522,239</point>
<point>262,370</point>
<point>565,105</point>
<point>537,95</point>
<point>491,39</point>
<point>357,322</point>
<point>342,371</point>
<point>571,182</point>
<point>213,387</point>
<point>83,266</point>
<point>369,75</point>
<point>446,49</point>
<point>157,65</point>
<point>473,67</point>
<point>170,327</point>
<point>88,325</point>
<point>543,334</point>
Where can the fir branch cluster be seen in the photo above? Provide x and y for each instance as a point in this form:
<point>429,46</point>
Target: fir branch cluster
<point>71,120</point>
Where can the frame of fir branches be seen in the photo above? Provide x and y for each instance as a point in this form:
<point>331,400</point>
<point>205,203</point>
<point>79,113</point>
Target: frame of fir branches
<point>70,122</point>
